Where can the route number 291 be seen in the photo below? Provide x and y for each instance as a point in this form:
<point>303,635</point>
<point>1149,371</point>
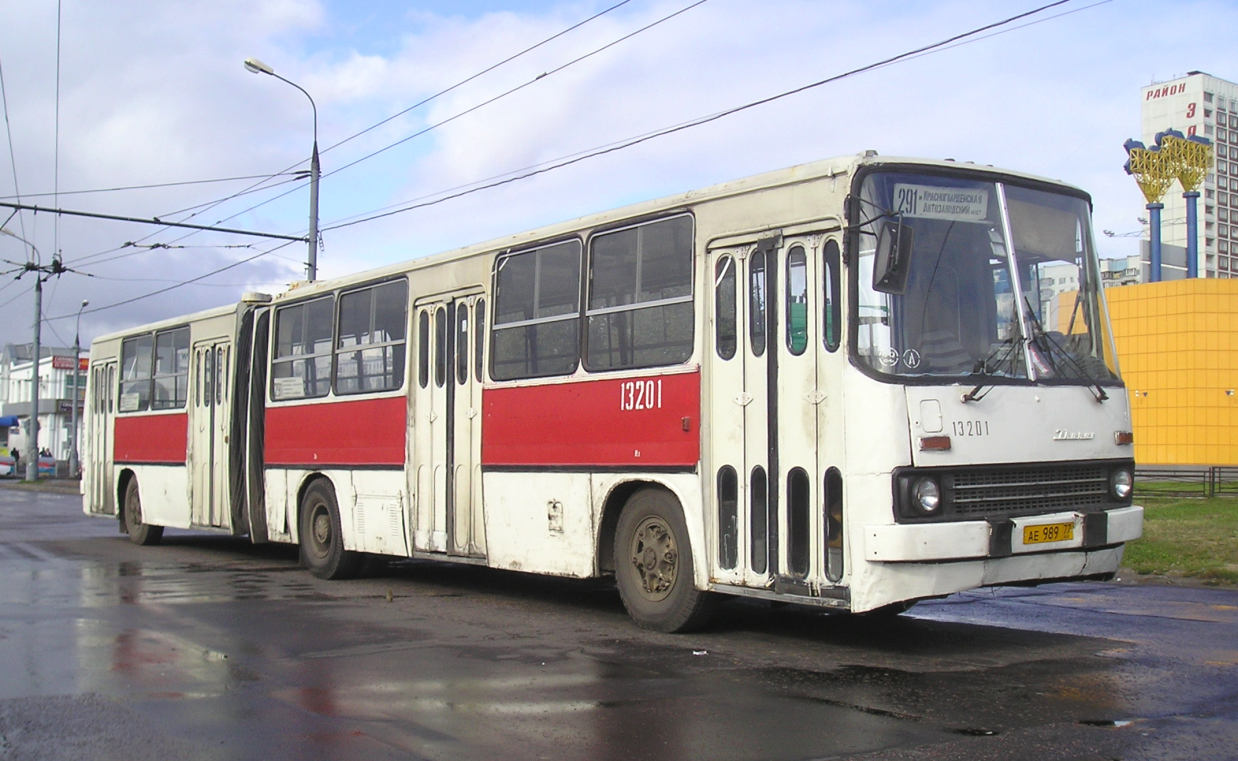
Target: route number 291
<point>640,395</point>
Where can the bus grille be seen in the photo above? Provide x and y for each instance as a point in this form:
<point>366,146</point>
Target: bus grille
<point>1035,489</point>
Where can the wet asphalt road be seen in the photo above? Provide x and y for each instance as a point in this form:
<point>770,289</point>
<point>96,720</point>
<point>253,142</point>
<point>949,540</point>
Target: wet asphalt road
<point>209,648</point>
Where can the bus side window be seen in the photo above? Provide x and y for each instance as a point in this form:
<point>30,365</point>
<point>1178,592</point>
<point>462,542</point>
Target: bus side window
<point>640,308</point>
<point>724,307</point>
<point>440,347</point>
<point>462,343</point>
<point>479,338</point>
<point>369,348</point>
<point>758,519</point>
<point>536,324</point>
<point>423,348</point>
<point>756,302</point>
<point>831,309</point>
<point>728,528</point>
<point>301,361</point>
<point>135,380</point>
<point>797,301</point>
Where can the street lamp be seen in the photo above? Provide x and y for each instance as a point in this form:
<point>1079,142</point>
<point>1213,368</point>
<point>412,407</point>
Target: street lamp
<point>311,266</point>
<point>74,471</point>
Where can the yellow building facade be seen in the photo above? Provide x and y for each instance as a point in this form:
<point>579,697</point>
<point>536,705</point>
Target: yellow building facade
<point>1177,344</point>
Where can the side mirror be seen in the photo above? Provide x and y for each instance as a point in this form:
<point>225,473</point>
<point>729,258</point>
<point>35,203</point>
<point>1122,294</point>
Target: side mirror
<point>893,260</point>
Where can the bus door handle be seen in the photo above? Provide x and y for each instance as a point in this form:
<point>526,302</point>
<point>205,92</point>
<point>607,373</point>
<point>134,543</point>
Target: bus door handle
<point>743,400</point>
<point>814,397</point>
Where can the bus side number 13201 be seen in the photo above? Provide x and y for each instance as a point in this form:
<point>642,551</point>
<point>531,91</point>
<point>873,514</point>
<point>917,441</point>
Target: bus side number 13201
<point>640,395</point>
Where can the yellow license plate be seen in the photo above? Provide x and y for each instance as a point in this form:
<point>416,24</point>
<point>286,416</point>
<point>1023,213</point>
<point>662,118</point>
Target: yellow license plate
<point>1049,532</point>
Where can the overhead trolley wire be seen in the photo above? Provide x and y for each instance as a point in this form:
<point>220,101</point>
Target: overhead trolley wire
<point>152,185</point>
<point>4,98</point>
<point>258,186</point>
<point>575,158</point>
<point>178,284</point>
<point>484,103</point>
<point>624,144</point>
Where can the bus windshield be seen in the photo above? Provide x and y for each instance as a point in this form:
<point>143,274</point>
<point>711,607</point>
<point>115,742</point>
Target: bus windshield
<point>940,261</point>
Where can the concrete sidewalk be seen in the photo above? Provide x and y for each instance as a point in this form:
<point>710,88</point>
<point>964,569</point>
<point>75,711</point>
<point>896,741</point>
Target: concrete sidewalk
<point>53,485</point>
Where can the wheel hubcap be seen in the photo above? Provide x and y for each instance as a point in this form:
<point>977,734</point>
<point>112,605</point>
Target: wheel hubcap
<point>321,527</point>
<point>655,558</point>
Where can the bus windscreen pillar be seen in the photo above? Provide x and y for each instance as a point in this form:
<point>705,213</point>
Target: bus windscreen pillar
<point>1154,244</point>
<point>1192,234</point>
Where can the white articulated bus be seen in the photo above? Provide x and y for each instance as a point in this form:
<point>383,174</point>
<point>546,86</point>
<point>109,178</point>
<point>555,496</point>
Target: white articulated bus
<point>854,384</point>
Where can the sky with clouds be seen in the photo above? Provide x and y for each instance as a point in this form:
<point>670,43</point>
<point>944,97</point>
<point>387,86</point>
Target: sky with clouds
<point>154,92</point>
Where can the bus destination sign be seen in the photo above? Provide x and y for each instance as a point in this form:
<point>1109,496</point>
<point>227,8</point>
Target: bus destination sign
<point>932,202</point>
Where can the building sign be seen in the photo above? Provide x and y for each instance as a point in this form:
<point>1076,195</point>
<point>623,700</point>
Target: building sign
<point>66,363</point>
<point>1161,92</point>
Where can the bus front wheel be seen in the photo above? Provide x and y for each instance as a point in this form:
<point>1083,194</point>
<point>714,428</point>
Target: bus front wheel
<point>653,565</point>
<point>139,532</point>
<point>322,543</point>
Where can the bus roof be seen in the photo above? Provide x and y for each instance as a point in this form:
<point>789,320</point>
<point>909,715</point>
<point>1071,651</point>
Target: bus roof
<point>780,177</point>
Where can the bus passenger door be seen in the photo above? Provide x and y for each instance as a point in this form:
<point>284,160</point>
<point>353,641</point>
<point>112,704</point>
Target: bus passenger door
<point>209,446</point>
<point>794,348</point>
<point>99,435</point>
<point>466,524</point>
<point>430,425</point>
<point>744,505</point>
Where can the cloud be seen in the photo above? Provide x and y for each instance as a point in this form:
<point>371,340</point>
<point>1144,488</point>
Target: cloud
<point>155,92</point>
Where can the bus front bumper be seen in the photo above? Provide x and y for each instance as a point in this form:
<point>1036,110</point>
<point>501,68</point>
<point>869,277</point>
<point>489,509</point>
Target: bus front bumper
<point>999,538</point>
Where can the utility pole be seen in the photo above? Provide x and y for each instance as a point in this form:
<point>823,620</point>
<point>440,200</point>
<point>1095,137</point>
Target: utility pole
<point>41,273</point>
<point>32,427</point>
<point>74,469</point>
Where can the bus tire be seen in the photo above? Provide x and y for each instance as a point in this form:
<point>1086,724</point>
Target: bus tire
<point>653,565</point>
<point>139,533</point>
<point>322,541</point>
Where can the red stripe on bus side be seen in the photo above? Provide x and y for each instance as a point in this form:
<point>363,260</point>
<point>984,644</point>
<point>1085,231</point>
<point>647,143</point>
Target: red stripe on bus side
<point>360,432</point>
<point>152,438</point>
<point>594,423</point>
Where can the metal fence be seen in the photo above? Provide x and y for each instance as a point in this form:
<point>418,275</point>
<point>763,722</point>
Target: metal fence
<point>1184,481</point>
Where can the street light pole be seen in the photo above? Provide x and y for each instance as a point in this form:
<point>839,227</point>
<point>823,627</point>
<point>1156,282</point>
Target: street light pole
<point>311,264</point>
<point>77,353</point>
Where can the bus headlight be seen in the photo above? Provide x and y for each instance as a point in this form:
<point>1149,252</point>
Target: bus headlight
<point>926,495</point>
<point>1121,483</point>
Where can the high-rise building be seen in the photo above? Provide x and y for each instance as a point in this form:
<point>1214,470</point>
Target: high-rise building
<point>1201,104</point>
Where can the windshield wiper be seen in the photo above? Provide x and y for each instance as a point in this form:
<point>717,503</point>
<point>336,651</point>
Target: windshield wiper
<point>982,367</point>
<point>1042,336</point>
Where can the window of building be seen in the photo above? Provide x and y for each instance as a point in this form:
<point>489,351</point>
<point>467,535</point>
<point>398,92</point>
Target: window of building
<point>171,376</point>
<point>370,344</point>
<point>1233,120</point>
<point>640,311</point>
<point>1207,97</point>
<point>1207,113</point>
<point>1207,129</point>
<point>1223,247</point>
<point>1222,230</point>
<point>1221,198</point>
<point>1233,135</point>
<point>536,330</point>
<point>301,365</point>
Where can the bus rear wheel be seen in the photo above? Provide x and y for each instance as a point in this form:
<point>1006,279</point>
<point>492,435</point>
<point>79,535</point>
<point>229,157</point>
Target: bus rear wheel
<point>653,565</point>
<point>139,532</point>
<point>322,542</point>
